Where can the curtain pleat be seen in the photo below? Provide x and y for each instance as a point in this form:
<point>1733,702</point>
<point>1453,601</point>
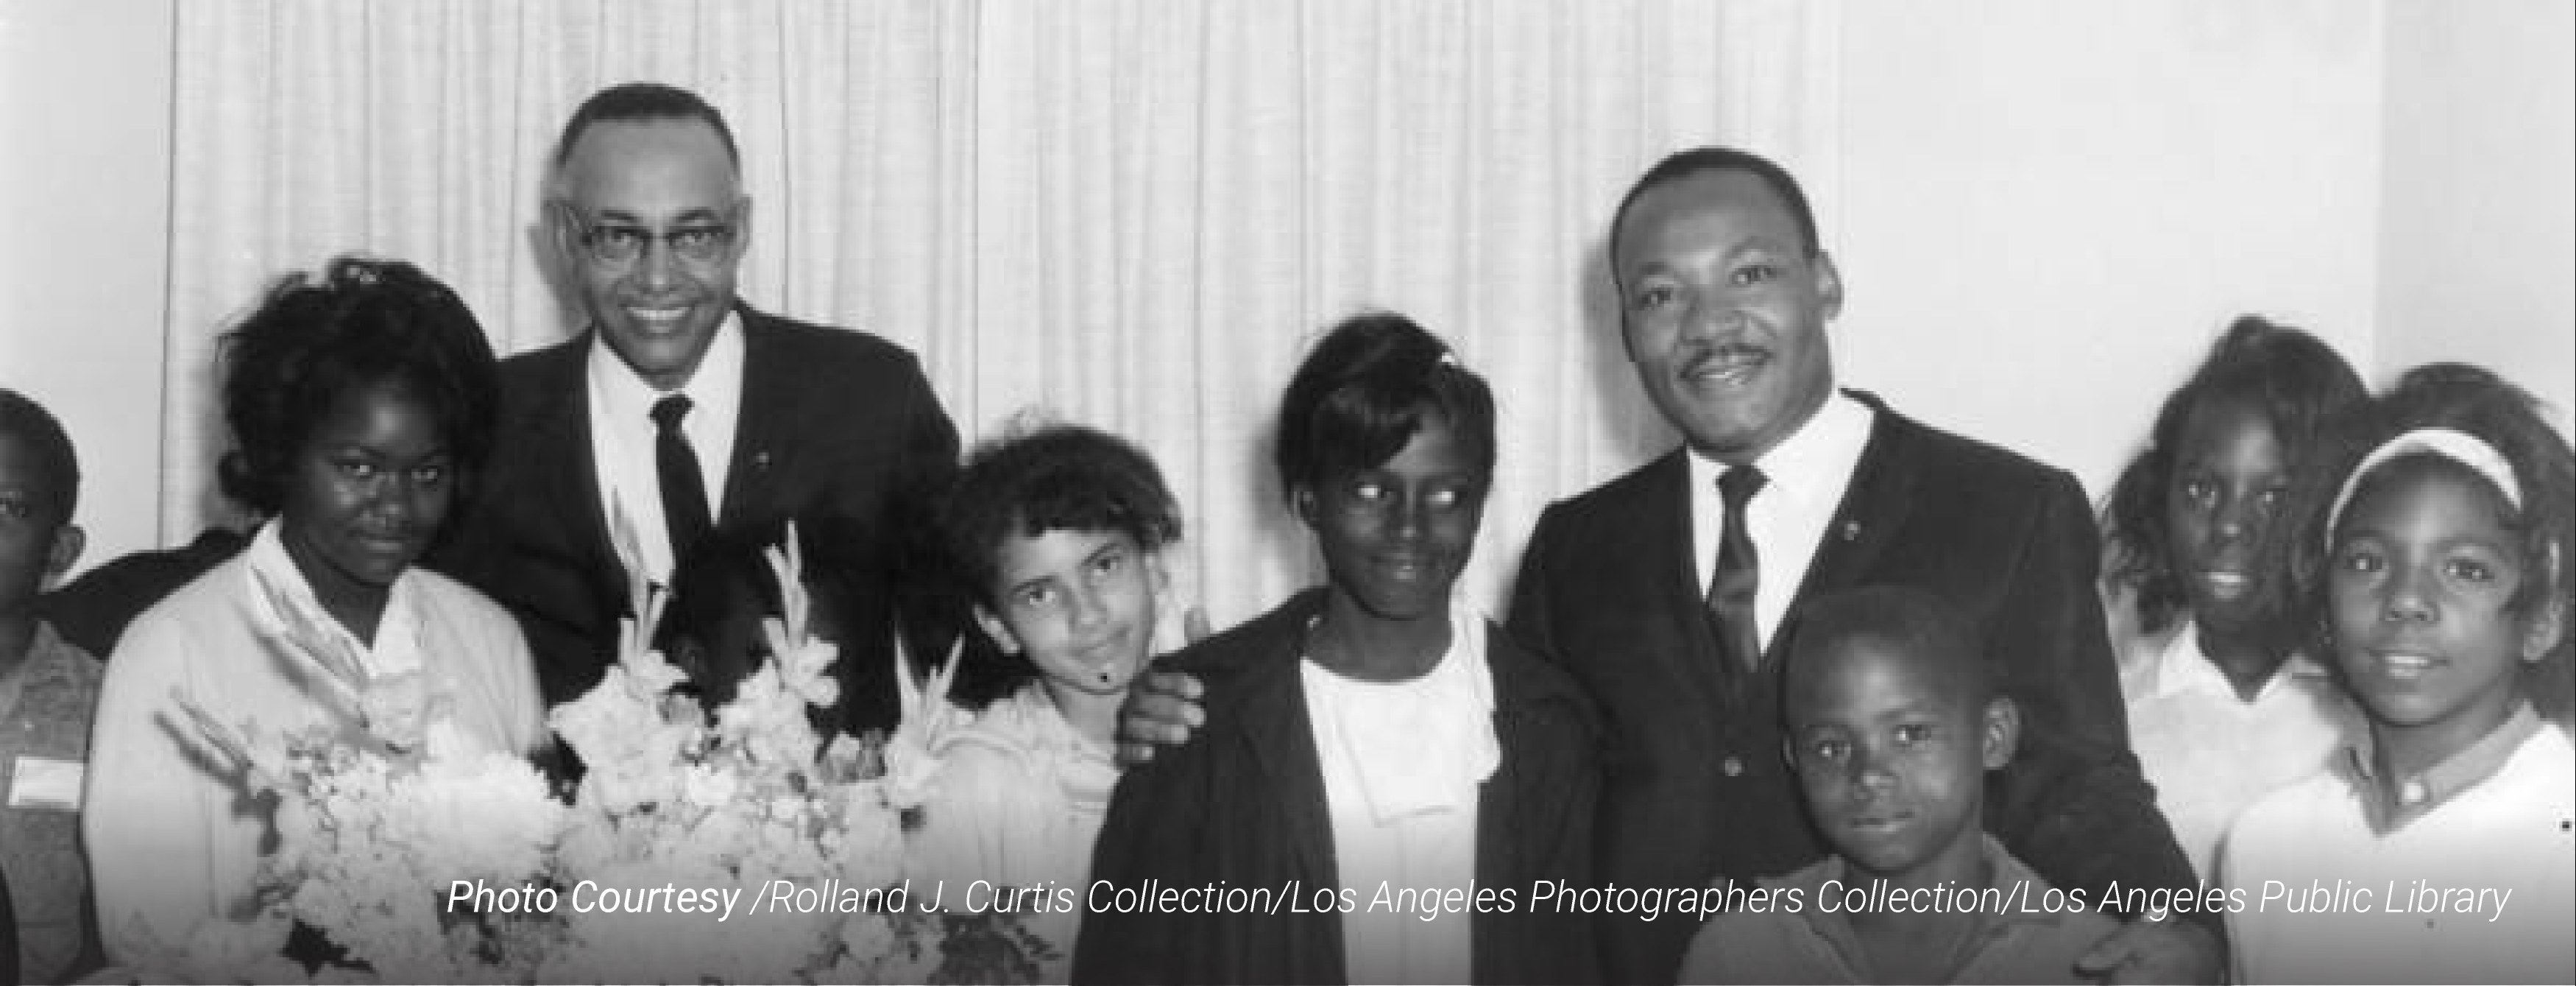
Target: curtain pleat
<point>1131,214</point>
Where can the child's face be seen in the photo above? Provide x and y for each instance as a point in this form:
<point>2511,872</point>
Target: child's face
<point>1893,762</point>
<point>1394,538</point>
<point>2421,571</point>
<point>367,491</point>
<point>1079,603</point>
<point>2228,478</point>
<point>32,541</point>
<point>719,656</point>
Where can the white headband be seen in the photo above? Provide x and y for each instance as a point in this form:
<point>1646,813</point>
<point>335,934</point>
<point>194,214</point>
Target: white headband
<point>2449,443</point>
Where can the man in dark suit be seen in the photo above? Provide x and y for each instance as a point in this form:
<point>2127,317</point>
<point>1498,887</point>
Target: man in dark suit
<point>1667,591</point>
<point>679,409</point>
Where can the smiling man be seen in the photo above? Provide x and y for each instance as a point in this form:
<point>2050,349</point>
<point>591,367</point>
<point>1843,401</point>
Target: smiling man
<point>1664,591</point>
<point>680,409</point>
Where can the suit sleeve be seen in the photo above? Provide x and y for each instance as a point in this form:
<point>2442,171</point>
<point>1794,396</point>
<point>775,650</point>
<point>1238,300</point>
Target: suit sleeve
<point>1572,946</point>
<point>2074,803</point>
<point>1528,621</point>
<point>930,439</point>
<point>473,548</point>
<point>927,615</point>
<point>468,547</point>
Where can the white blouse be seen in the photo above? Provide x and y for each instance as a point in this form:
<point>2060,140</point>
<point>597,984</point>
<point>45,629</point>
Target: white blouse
<point>2210,753</point>
<point>1403,763</point>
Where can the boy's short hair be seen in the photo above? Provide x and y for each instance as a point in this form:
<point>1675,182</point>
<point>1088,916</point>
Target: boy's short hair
<point>1051,477</point>
<point>27,421</point>
<point>1917,623</point>
<point>726,575</point>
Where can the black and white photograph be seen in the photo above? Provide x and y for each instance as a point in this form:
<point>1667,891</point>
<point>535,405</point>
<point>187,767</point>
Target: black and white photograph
<point>1310,491</point>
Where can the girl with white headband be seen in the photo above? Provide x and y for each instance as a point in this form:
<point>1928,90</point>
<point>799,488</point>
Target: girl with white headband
<point>2438,848</point>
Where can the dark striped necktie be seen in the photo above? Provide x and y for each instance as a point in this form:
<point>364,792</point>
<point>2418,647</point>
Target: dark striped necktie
<point>1738,576</point>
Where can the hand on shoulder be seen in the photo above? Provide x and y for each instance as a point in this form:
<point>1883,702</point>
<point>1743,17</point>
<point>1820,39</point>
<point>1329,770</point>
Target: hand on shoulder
<point>1163,708</point>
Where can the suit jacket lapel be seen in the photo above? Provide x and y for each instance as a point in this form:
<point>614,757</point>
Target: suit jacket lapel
<point>765,413</point>
<point>568,471</point>
<point>1664,509</point>
<point>1873,509</point>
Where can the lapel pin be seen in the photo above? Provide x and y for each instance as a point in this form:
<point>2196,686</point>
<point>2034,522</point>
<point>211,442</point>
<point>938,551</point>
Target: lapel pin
<point>760,459</point>
<point>1851,530</point>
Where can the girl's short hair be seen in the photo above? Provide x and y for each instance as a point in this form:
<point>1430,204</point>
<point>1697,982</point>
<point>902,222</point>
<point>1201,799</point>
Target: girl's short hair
<point>1051,477</point>
<point>1041,476</point>
<point>2294,381</point>
<point>360,322</point>
<point>2477,402</point>
<point>1363,393</point>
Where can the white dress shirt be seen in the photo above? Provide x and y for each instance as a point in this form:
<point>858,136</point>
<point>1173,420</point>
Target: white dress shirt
<point>1807,474</point>
<point>622,436</point>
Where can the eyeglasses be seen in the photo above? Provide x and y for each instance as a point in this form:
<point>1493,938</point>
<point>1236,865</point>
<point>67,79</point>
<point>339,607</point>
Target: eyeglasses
<point>616,244</point>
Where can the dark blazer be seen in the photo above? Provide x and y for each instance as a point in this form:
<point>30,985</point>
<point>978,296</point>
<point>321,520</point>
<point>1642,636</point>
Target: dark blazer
<point>1243,803</point>
<point>1695,783</point>
<point>833,423</point>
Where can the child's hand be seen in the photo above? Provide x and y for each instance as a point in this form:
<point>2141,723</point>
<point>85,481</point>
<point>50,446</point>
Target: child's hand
<point>1162,710</point>
<point>1162,707</point>
<point>2144,951</point>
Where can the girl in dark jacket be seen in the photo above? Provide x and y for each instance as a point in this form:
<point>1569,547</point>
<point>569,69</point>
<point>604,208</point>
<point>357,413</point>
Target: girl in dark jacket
<point>1388,789</point>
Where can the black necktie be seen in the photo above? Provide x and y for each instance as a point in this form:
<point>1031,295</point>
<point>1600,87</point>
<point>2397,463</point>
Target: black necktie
<point>684,494</point>
<point>1738,575</point>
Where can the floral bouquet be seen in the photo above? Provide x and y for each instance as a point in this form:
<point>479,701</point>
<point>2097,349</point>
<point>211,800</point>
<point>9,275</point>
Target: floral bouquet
<point>372,814</point>
<point>796,845</point>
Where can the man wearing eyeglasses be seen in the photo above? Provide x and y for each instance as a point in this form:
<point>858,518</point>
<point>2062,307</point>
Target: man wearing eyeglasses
<point>680,410</point>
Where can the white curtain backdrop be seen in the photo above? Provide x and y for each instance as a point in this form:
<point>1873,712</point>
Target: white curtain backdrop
<point>1134,213</point>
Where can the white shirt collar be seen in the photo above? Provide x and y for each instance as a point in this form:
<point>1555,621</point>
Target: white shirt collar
<point>398,631</point>
<point>719,373</point>
<point>1813,464</point>
<point>1806,475</point>
<point>2180,666</point>
<point>622,433</point>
